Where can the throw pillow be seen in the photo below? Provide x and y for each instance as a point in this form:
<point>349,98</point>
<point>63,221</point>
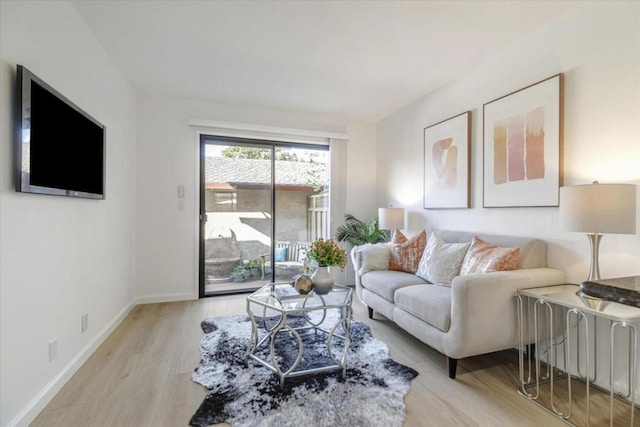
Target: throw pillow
<point>374,257</point>
<point>483,257</point>
<point>441,261</point>
<point>398,238</point>
<point>406,256</point>
<point>281,254</point>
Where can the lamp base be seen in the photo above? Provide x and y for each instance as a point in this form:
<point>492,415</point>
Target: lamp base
<point>594,269</point>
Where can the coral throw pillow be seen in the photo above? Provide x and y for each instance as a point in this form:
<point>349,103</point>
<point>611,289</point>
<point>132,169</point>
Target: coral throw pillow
<point>483,257</point>
<point>406,256</point>
<point>398,238</point>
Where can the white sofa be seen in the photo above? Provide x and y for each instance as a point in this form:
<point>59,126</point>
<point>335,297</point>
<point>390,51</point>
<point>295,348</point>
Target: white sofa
<point>475,315</point>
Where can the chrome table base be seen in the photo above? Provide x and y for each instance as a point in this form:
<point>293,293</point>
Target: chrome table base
<point>270,307</point>
<point>545,319</point>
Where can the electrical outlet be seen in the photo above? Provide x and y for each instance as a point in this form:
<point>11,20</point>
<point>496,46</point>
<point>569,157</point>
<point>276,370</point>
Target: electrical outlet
<point>53,350</point>
<point>85,322</point>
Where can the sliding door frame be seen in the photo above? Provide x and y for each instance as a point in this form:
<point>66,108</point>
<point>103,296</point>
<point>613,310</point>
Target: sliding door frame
<point>212,139</point>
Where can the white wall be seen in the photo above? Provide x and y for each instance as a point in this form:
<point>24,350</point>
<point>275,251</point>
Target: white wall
<point>167,157</point>
<point>597,47</point>
<point>61,257</point>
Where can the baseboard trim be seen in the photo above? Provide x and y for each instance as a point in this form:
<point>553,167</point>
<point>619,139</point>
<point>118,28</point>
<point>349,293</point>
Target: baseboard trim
<point>165,298</point>
<point>37,404</point>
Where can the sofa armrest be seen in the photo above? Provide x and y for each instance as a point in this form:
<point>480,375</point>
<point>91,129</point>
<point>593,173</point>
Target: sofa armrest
<point>483,309</point>
<point>356,259</point>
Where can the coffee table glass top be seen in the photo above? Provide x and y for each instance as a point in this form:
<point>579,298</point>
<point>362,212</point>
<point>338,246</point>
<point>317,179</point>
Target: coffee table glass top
<point>339,296</point>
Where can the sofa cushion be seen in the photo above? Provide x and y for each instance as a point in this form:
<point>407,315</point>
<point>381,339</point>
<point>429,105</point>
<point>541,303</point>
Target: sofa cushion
<point>483,257</point>
<point>374,257</point>
<point>441,261</point>
<point>430,303</point>
<point>406,256</point>
<point>385,282</point>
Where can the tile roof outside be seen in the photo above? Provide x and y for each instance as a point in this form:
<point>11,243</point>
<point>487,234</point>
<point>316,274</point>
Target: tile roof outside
<point>258,171</point>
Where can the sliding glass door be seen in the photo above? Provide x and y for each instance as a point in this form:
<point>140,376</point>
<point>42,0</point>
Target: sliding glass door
<point>261,205</point>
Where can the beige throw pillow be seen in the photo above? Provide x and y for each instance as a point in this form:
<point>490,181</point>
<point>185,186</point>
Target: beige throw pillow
<point>374,257</point>
<point>406,256</point>
<point>483,257</point>
<point>441,261</point>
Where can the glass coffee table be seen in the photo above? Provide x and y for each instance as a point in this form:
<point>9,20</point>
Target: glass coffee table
<point>300,335</point>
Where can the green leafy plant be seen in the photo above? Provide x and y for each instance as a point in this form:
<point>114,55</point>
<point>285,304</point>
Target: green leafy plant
<point>249,269</point>
<point>254,266</point>
<point>240,273</point>
<point>357,232</point>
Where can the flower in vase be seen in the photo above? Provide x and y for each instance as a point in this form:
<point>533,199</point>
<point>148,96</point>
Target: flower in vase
<point>327,253</point>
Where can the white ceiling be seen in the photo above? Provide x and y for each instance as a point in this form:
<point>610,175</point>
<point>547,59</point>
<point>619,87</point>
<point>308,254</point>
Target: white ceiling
<point>357,59</point>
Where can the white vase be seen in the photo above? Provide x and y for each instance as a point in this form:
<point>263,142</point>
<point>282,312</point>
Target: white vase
<point>322,280</point>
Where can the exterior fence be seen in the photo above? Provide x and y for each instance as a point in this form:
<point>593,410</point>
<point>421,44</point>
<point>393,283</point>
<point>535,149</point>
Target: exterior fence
<point>317,217</point>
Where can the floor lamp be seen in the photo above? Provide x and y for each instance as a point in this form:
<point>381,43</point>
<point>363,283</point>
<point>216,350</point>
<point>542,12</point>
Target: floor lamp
<point>596,209</point>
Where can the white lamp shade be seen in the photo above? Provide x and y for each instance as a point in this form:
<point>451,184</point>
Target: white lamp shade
<point>390,218</point>
<point>598,208</point>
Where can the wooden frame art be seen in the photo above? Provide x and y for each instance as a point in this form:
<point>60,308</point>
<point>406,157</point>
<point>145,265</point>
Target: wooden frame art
<point>522,146</point>
<point>447,160</point>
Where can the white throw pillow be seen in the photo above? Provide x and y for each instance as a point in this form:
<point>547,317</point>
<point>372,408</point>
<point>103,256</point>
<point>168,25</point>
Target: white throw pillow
<point>441,261</point>
<point>374,257</point>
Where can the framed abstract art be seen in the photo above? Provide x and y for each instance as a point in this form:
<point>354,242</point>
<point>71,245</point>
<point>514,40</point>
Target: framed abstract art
<point>447,162</point>
<point>522,136</point>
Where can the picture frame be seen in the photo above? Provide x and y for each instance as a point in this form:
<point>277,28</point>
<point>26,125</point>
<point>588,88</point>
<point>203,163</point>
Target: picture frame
<point>522,146</point>
<point>447,163</point>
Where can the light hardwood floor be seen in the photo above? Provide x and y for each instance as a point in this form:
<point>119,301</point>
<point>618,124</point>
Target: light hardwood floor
<point>141,376</point>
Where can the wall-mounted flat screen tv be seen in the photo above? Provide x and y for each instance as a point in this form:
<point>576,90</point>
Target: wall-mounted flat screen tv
<point>59,149</point>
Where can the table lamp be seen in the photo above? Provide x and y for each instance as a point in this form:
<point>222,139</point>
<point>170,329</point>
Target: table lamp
<point>390,218</point>
<point>596,209</point>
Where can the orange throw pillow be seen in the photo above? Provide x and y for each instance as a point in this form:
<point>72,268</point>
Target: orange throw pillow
<point>398,238</point>
<point>406,256</point>
<point>483,257</point>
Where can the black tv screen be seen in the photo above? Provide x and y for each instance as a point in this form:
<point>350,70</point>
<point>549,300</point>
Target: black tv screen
<point>60,149</point>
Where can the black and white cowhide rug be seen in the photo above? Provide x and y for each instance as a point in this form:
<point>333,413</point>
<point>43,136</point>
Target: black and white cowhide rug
<point>244,393</point>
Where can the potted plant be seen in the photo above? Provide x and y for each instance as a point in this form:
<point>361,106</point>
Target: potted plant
<point>240,273</point>
<point>327,253</point>
<point>247,270</point>
<point>357,232</point>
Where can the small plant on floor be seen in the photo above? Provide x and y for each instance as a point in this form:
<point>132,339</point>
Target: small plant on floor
<point>240,273</point>
<point>249,269</point>
<point>254,267</point>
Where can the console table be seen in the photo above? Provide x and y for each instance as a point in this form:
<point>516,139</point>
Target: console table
<point>545,317</point>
